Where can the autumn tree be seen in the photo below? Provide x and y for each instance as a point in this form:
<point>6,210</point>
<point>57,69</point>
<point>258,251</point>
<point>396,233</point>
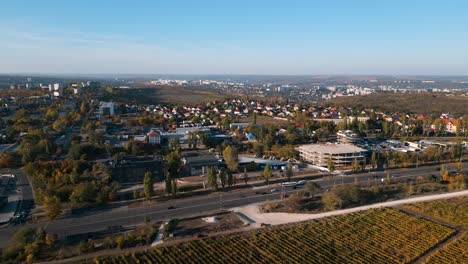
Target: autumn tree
<point>356,165</point>
<point>266,174</point>
<point>231,157</point>
<point>330,165</point>
<point>312,188</point>
<point>52,206</point>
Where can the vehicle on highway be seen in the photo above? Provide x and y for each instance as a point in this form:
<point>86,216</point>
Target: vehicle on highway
<point>171,207</point>
<point>301,182</point>
<point>273,190</point>
<point>289,184</point>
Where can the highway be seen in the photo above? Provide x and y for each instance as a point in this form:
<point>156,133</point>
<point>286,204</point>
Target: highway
<point>185,207</point>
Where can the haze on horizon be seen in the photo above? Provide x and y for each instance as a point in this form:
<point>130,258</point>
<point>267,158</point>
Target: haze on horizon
<point>236,37</point>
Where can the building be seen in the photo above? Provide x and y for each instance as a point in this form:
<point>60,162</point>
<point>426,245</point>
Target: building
<point>106,109</point>
<point>154,137</point>
<point>198,165</point>
<point>348,137</point>
<point>131,170</point>
<point>342,155</point>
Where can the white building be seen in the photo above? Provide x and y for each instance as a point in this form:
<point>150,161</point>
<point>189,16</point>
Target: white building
<point>342,154</point>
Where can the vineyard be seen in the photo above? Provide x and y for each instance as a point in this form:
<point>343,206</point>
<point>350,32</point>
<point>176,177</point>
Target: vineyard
<point>373,236</point>
<point>454,252</point>
<point>454,211</point>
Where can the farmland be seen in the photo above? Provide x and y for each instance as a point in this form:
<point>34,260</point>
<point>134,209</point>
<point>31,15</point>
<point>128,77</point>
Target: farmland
<point>373,236</point>
<point>453,252</point>
<point>454,211</point>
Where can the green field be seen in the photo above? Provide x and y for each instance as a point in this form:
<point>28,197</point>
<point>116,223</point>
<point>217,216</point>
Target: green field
<point>373,236</point>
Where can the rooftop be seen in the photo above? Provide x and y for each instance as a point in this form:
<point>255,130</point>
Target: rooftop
<point>332,148</point>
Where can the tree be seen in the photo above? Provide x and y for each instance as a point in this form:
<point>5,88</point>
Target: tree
<point>374,160</point>
<point>222,177</point>
<point>148,185</point>
<point>174,144</point>
<point>168,182</point>
<point>312,188</point>
<point>50,239</point>
<point>173,164</point>
<point>231,157</point>
<point>212,179</point>
<point>245,176</point>
<point>52,206</point>
<point>330,165</point>
<point>266,174</point>
<point>289,171</point>
<point>230,179</point>
<point>356,165</point>
<point>459,167</point>
<point>331,201</point>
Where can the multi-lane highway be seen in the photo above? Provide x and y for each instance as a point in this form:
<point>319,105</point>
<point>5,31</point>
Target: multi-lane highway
<point>178,208</point>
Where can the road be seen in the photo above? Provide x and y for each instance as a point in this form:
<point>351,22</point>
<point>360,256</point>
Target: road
<point>185,207</point>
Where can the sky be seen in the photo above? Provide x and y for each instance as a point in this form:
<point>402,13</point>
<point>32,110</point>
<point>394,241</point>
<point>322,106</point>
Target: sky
<point>289,37</point>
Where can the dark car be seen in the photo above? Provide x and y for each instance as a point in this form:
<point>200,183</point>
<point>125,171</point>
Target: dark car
<point>171,207</point>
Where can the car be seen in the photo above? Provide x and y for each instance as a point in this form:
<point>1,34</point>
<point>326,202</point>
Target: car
<point>273,190</point>
<point>263,193</point>
<point>171,207</point>
<point>301,182</point>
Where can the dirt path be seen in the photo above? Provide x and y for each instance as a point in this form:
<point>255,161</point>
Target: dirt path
<point>253,212</point>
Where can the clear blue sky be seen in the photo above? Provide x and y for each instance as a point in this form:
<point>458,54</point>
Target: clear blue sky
<point>235,37</point>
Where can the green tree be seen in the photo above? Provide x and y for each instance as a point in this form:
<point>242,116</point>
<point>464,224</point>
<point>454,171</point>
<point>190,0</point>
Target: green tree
<point>374,160</point>
<point>148,185</point>
<point>231,157</point>
<point>289,171</point>
<point>168,182</point>
<point>173,164</point>
<point>222,177</point>
<point>212,179</point>
<point>266,174</point>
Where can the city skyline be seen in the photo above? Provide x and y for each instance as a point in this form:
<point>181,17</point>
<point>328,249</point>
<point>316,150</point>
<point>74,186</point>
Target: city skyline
<point>261,38</point>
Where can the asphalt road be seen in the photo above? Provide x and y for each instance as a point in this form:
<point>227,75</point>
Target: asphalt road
<point>186,207</point>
